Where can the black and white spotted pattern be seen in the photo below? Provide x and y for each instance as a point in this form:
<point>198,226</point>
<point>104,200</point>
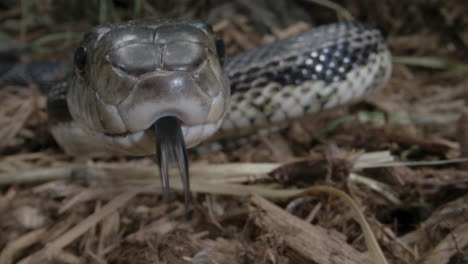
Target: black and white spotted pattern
<point>320,69</point>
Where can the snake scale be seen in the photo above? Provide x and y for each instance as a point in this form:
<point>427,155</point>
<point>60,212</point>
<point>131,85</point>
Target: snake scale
<point>129,76</point>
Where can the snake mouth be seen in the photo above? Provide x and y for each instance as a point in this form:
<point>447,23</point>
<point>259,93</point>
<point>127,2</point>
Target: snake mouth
<point>124,134</point>
<point>141,142</point>
<point>128,133</point>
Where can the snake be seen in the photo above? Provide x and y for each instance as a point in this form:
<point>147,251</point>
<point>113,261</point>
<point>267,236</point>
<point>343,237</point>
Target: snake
<point>148,87</point>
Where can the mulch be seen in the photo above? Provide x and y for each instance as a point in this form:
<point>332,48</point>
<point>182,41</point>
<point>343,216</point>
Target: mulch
<point>400,155</point>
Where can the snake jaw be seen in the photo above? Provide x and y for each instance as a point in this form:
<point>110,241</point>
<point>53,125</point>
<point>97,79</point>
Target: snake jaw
<point>170,149</point>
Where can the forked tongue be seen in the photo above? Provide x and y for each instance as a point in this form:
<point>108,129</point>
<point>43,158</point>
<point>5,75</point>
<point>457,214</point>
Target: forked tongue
<point>170,150</point>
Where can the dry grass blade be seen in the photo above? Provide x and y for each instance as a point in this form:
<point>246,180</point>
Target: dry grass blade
<point>432,63</point>
<point>417,163</point>
<point>226,173</point>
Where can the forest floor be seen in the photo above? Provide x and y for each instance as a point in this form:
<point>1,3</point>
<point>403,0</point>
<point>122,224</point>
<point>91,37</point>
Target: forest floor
<point>401,154</point>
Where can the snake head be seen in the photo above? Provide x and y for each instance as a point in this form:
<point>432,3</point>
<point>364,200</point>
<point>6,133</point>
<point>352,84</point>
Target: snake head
<point>131,74</point>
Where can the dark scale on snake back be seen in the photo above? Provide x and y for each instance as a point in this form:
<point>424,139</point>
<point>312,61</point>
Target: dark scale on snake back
<point>253,70</point>
<point>256,94</point>
<point>344,47</point>
<point>330,64</point>
<point>261,83</point>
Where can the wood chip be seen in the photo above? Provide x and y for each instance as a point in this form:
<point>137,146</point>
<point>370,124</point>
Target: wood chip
<point>307,243</point>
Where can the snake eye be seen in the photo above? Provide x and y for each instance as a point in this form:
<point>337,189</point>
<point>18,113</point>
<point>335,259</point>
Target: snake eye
<point>80,58</point>
<point>221,50</point>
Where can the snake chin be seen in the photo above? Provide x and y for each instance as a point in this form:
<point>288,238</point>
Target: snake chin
<point>194,135</point>
<point>79,141</point>
<point>142,142</point>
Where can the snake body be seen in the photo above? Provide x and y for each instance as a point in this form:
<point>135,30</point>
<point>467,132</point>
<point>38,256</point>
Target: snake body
<point>319,69</point>
<point>135,72</point>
